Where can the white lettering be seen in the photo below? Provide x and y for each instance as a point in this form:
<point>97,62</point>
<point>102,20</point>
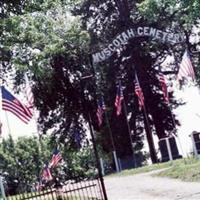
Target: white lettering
<point>110,46</point>
<point>130,33</point>
<point>140,31</point>
<point>133,32</point>
<point>152,32</point>
<point>146,31</point>
<point>164,36</point>
<point>102,55</point>
<point>170,37</point>
<point>176,36</point>
<point>125,36</point>
<point>95,58</point>
<point>158,34</point>
<point>116,43</point>
<point>107,52</point>
<point>121,39</point>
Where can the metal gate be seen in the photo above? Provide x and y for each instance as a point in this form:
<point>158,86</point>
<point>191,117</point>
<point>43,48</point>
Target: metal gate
<point>83,190</point>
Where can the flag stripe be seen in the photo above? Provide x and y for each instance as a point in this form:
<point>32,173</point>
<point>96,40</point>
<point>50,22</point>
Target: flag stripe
<point>13,105</point>
<point>56,158</point>
<point>186,68</point>
<point>118,100</point>
<point>163,84</point>
<point>100,110</point>
<point>46,173</point>
<point>139,93</point>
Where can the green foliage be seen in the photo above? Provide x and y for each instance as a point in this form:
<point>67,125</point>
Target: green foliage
<point>184,13</point>
<point>46,40</point>
<point>80,164</point>
<point>21,163</point>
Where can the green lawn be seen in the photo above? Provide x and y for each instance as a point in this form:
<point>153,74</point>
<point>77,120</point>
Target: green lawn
<point>144,169</point>
<point>184,169</point>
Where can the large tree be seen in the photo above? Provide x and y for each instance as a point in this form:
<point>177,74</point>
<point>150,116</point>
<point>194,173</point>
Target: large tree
<point>48,43</point>
<point>104,20</point>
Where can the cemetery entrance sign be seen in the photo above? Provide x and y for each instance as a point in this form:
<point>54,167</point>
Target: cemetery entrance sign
<point>122,39</point>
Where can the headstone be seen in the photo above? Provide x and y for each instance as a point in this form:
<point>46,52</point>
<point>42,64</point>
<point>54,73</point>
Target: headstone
<point>196,142</point>
<point>165,152</point>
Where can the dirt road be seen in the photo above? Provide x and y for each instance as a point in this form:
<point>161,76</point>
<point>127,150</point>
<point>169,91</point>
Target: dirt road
<point>146,187</point>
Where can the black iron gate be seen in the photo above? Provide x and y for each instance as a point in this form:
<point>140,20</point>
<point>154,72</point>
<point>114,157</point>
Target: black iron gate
<point>83,190</point>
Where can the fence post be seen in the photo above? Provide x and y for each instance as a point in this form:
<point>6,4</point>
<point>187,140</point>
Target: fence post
<point>2,194</point>
<point>102,167</point>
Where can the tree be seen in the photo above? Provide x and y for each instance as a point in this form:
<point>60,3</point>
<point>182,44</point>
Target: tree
<point>21,163</point>
<point>105,19</point>
<point>43,45</point>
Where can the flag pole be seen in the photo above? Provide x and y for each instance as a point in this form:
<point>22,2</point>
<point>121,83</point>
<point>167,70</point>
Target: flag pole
<point>149,136</point>
<point>107,121</point>
<point>1,108</point>
<point>148,131</point>
<point>30,101</point>
<point>113,144</point>
<point>8,124</point>
<point>129,133</point>
<point>174,124</point>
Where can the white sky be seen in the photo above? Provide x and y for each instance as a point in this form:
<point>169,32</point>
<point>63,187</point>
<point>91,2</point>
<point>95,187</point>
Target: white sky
<point>189,116</point>
<point>14,126</point>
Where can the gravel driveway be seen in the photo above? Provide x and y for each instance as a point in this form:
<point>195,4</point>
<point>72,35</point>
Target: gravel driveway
<point>145,187</point>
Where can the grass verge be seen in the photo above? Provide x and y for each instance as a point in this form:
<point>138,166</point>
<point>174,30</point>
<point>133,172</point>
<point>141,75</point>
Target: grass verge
<point>185,169</point>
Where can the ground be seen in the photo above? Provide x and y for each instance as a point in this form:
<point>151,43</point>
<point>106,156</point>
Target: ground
<point>147,187</point>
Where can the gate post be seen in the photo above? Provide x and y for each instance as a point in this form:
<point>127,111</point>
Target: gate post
<point>2,191</point>
<point>97,159</point>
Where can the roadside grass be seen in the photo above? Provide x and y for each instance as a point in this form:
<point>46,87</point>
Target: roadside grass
<point>144,169</point>
<point>187,169</point>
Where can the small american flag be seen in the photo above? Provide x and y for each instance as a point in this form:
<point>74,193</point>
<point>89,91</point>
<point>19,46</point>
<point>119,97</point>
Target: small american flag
<point>13,105</point>
<point>186,68</point>
<point>139,93</point>
<point>163,84</point>
<point>119,98</point>
<point>100,110</point>
<point>28,93</point>
<point>56,158</point>
<point>46,173</point>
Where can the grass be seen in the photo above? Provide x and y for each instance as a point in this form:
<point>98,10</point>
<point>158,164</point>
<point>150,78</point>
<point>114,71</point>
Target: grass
<point>184,169</point>
<point>143,169</point>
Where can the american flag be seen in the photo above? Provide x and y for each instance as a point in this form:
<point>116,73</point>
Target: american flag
<point>13,105</point>
<point>139,93</point>
<point>118,100</point>
<point>163,84</point>
<point>100,110</point>
<point>56,158</point>
<point>186,68</point>
<point>28,93</point>
<point>46,173</point>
